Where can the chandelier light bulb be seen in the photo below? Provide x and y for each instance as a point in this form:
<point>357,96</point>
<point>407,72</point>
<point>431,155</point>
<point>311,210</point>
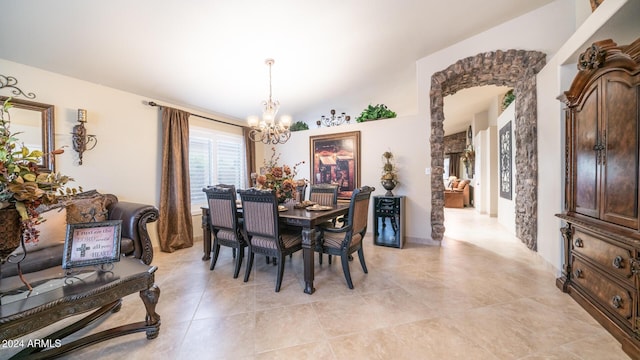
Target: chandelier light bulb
<point>285,120</point>
<point>253,120</point>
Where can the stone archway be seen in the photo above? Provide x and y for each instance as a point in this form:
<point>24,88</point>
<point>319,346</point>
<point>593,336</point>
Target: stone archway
<point>513,68</point>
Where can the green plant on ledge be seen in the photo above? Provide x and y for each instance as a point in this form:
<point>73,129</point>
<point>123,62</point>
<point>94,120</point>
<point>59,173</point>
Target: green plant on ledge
<point>508,99</point>
<point>379,111</point>
<point>298,126</point>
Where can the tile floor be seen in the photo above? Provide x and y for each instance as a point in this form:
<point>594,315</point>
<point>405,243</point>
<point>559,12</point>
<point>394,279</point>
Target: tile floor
<point>481,295</point>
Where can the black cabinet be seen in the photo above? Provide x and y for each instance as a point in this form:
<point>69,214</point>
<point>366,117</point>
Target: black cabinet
<point>388,221</point>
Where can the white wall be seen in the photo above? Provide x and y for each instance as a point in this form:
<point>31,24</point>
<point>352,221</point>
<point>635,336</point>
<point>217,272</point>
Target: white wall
<point>506,207</point>
<point>479,122</point>
<point>127,159</point>
<point>481,192</point>
<point>616,19</point>
<point>544,29</point>
<point>486,179</point>
<point>492,177</point>
<point>407,137</point>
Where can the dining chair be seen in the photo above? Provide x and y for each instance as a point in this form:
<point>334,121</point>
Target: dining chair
<point>324,194</point>
<point>233,190</point>
<point>263,232</point>
<point>224,224</point>
<point>348,239</point>
<point>301,190</point>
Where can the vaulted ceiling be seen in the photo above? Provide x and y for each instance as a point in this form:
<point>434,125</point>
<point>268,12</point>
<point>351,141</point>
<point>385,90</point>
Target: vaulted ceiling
<point>209,55</point>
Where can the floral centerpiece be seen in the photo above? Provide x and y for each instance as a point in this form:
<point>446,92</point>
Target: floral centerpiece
<point>280,178</point>
<point>22,186</point>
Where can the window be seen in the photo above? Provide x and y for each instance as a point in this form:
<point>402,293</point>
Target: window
<point>214,158</point>
<point>445,173</point>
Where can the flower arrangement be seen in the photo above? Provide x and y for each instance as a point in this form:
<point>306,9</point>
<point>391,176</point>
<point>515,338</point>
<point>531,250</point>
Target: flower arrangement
<point>389,177</point>
<point>22,185</point>
<point>388,168</point>
<point>279,177</point>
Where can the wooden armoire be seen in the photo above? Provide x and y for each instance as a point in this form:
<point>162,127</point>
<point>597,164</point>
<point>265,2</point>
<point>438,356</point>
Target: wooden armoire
<point>601,269</point>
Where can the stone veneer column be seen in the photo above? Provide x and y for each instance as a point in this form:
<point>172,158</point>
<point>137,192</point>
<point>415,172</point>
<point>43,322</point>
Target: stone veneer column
<point>513,68</point>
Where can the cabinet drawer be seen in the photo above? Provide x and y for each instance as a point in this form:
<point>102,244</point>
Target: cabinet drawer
<point>613,259</point>
<point>609,295</point>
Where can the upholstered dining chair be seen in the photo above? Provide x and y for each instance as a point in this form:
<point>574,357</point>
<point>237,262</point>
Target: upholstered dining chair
<point>348,239</point>
<point>301,190</point>
<point>324,194</point>
<point>224,224</point>
<point>233,190</point>
<point>264,235</point>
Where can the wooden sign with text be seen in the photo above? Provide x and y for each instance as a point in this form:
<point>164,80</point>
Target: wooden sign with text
<point>92,243</point>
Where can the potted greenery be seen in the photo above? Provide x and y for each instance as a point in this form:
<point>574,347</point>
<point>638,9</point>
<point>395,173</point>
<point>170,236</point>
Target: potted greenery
<point>508,99</point>
<point>379,111</point>
<point>299,126</point>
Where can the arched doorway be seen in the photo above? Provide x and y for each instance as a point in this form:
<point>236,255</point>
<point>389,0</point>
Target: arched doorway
<point>513,68</point>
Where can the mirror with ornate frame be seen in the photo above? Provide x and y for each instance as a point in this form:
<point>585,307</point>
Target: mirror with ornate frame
<point>35,123</point>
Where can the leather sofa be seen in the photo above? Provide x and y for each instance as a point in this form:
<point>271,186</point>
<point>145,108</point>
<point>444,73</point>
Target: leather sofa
<point>456,193</point>
<point>135,237</point>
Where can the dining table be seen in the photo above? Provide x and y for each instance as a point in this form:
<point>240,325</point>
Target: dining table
<point>304,218</point>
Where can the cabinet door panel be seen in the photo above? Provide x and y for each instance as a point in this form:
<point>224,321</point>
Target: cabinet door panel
<point>620,162</point>
<point>586,167</point>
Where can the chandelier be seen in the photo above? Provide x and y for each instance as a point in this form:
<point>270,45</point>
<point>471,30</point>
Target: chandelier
<point>267,130</point>
<point>333,120</point>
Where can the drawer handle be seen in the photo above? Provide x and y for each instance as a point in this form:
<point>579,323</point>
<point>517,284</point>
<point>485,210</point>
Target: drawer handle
<point>618,262</point>
<point>616,301</point>
<point>577,274</point>
<point>579,243</point>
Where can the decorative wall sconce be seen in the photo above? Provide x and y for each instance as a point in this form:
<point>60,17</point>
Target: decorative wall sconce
<point>333,120</point>
<point>81,141</point>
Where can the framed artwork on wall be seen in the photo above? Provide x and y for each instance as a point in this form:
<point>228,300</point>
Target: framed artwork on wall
<point>505,161</point>
<point>335,159</point>
<point>92,243</point>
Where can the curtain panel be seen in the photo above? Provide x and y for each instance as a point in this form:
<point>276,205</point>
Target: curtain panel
<point>454,164</point>
<point>175,228</point>
<point>250,151</point>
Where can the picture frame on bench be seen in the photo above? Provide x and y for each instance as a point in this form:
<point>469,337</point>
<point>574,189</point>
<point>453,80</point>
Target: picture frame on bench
<point>92,243</point>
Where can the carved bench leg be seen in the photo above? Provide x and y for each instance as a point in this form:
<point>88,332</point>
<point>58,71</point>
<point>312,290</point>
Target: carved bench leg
<point>150,298</point>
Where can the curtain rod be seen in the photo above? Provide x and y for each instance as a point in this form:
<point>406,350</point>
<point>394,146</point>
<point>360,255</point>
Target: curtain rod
<point>151,103</point>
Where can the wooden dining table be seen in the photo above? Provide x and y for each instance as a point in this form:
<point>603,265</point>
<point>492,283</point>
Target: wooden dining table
<point>307,220</point>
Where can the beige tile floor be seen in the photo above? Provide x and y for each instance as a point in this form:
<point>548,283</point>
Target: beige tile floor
<point>481,295</point>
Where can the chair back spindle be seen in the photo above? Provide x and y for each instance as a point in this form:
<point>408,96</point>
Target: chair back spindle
<point>300,192</point>
<point>324,194</point>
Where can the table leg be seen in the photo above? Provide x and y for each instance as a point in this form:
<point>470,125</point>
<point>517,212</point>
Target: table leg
<point>308,243</point>
<point>206,235</point>
<point>150,298</point>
